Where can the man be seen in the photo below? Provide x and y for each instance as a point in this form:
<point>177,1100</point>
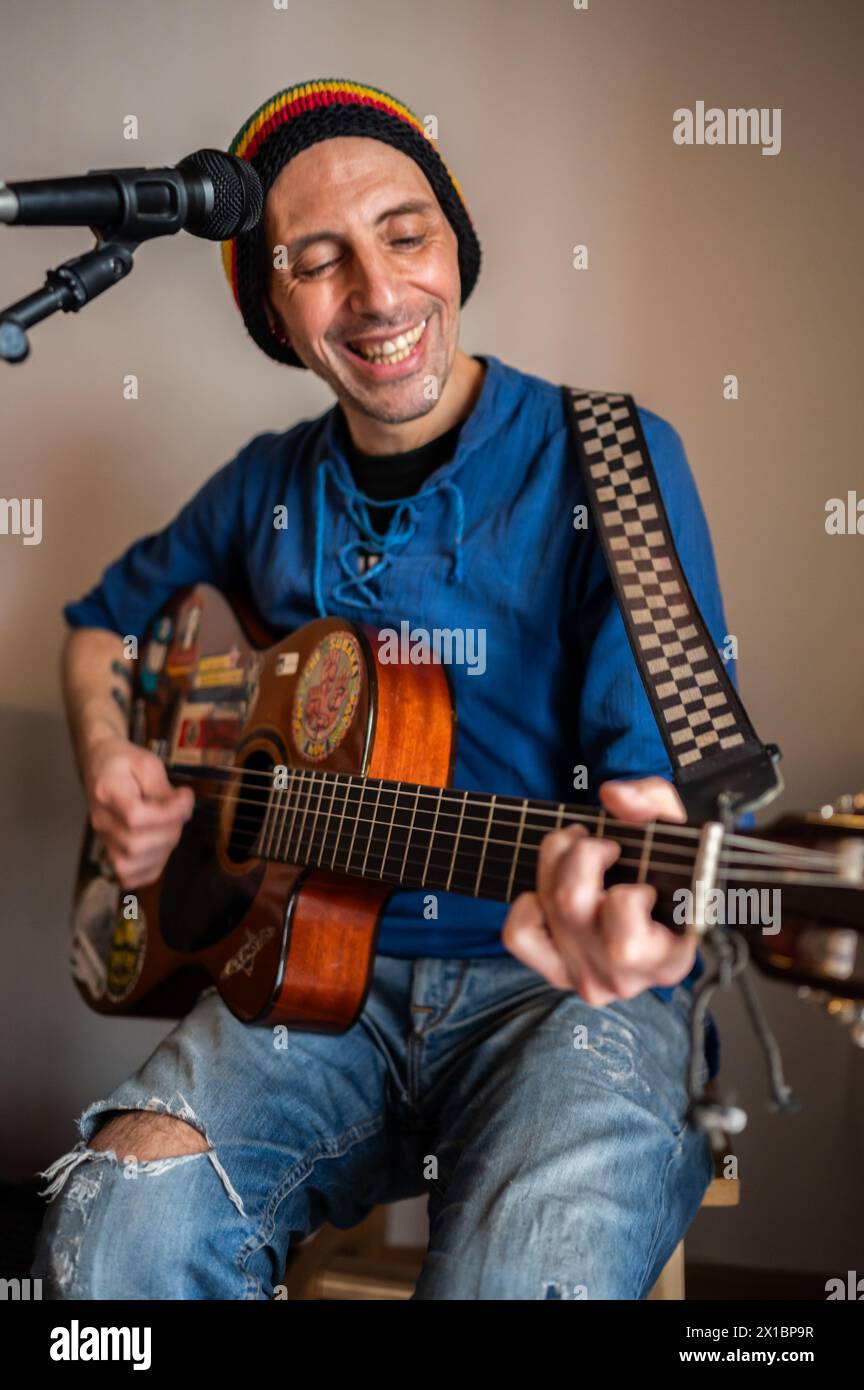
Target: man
<point>526,1069</point>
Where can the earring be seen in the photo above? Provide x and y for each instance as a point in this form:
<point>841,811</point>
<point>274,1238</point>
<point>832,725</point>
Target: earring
<point>276,328</point>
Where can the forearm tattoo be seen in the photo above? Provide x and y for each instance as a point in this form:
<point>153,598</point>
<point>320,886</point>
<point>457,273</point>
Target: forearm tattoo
<point>121,668</point>
<point>121,700</point>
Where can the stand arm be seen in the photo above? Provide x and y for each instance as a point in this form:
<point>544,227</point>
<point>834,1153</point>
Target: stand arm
<point>68,288</point>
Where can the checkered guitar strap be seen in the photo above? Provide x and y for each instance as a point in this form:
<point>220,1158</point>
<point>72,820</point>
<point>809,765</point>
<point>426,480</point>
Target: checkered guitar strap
<point>720,766</point>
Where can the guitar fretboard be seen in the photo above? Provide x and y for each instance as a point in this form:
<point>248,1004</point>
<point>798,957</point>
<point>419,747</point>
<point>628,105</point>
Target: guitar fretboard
<point>417,836</point>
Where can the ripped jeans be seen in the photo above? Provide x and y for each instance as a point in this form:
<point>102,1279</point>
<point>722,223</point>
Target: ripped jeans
<point>549,1136</point>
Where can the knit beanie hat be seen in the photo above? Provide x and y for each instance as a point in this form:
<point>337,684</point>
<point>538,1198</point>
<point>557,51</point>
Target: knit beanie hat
<point>293,120</point>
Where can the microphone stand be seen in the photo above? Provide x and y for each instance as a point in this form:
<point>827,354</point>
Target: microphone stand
<point>154,202</point>
<point>68,288</point>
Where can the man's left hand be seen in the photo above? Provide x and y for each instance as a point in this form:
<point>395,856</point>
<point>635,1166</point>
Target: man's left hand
<point>579,935</point>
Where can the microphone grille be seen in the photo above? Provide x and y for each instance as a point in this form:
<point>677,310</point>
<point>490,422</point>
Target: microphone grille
<point>238,198</point>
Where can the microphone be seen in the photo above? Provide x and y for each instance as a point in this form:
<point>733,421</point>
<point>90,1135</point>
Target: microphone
<point>209,193</point>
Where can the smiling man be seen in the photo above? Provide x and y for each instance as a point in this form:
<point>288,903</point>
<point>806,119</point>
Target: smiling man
<point>371,290</point>
<point>525,1069</point>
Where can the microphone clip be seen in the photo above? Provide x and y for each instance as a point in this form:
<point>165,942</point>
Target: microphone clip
<point>67,288</point>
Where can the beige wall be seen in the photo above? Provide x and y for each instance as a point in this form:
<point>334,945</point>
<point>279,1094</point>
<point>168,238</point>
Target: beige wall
<point>703,261</point>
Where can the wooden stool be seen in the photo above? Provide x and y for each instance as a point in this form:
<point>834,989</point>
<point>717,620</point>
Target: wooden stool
<point>720,1192</point>
<point>359,1264</point>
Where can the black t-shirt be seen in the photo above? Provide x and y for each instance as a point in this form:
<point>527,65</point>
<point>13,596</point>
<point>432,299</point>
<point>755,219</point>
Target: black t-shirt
<point>396,475</point>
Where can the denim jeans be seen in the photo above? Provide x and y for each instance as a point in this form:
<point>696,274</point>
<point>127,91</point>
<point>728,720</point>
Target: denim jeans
<point>550,1138</point>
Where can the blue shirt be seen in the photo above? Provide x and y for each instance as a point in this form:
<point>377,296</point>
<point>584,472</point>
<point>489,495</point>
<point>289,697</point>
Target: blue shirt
<point>487,543</point>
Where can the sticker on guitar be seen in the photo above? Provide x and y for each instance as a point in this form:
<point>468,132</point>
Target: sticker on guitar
<point>108,948</point>
<point>326,696</point>
<point>245,958</point>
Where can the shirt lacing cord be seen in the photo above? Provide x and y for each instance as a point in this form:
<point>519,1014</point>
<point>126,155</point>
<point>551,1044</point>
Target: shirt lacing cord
<point>399,531</point>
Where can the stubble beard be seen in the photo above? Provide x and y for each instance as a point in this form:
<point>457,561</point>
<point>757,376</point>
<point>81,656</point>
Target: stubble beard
<point>400,402</point>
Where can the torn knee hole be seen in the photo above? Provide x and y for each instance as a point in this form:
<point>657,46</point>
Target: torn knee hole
<point>150,1140</point>
<point>143,1135</point>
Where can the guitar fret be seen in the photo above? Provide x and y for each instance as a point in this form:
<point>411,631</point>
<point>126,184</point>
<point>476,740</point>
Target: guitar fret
<point>295,853</point>
<point>371,828</point>
<point>559,818</point>
<point>280,816</point>
<point>431,837</point>
<point>358,813</point>
<point>284,830</point>
<point>309,846</point>
<point>441,848</point>
<point>276,822</point>
<point>300,811</point>
<point>263,833</point>
<point>281,826</point>
<point>340,826</point>
<point>386,849</point>
<point>519,834</point>
<point>274,818</point>
<point>410,829</point>
<point>601,823</point>
<point>392,847</point>
<point>485,846</point>
<point>333,780</point>
<point>285,799</point>
<point>456,842</point>
<point>645,857</point>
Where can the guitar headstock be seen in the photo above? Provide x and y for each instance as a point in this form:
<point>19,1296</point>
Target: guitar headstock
<point>820,941</point>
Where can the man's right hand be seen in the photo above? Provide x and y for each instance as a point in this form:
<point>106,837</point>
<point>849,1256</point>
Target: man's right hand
<point>134,810</point>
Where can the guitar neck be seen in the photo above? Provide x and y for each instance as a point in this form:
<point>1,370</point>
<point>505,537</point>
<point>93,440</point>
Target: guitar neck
<point>420,837</point>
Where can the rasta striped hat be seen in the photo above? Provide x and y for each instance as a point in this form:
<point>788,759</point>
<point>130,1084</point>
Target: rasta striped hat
<point>293,120</point>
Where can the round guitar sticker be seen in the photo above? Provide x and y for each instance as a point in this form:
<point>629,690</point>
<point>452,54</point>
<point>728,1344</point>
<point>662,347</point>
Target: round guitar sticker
<point>326,696</point>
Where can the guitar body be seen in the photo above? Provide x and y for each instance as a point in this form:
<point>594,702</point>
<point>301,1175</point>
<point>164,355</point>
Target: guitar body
<point>282,943</point>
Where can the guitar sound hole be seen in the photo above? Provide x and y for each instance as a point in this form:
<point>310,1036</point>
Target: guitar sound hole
<point>200,904</point>
<point>251,806</point>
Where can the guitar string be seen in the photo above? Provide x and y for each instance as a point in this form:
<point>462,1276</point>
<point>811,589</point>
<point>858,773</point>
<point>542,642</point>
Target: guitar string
<point>256,825</point>
<point>504,869</point>
<point>493,881</point>
<point>784,876</point>
<point>301,802</point>
<point>493,861</point>
<point>517,886</point>
<point>787,858</point>
<point>388,787</point>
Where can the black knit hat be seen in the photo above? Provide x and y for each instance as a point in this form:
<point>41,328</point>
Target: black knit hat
<point>293,120</point>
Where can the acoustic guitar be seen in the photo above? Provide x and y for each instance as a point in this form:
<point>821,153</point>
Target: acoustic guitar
<point>321,777</point>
